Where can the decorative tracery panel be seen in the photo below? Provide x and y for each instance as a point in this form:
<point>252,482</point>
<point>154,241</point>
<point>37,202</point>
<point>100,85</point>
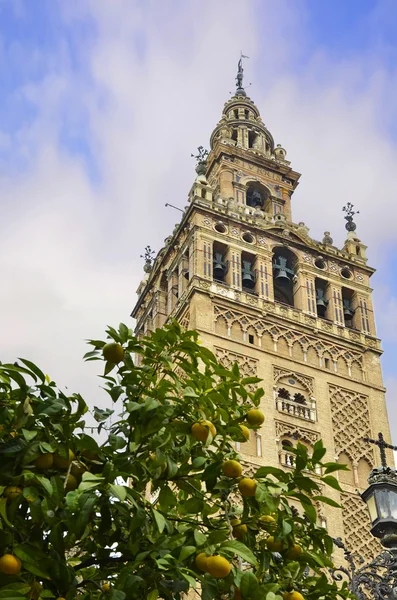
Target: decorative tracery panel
<point>356,525</point>
<point>350,422</point>
<point>248,366</point>
<point>280,334</point>
<point>306,382</point>
<point>300,433</point>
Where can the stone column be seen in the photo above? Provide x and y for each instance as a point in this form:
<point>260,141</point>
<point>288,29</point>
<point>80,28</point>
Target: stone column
<point>335,306</point>
<point>264,278</point>
<point>233,275</point>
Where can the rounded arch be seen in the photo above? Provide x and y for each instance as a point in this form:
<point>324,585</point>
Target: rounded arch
<point>222,326</point>
<point>257,194</point>
<point>284,268</point>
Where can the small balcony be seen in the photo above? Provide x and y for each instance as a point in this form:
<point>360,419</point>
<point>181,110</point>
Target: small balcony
<point>306,411</point>
<point>287,459</point>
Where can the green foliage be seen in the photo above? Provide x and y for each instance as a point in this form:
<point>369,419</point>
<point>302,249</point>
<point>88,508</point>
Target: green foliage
<point>134,512</point>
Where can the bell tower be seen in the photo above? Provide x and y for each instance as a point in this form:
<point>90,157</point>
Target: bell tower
<point>289,309</point>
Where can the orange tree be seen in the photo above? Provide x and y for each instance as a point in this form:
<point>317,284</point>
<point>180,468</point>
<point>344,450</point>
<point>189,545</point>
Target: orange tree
<point>164,506</point>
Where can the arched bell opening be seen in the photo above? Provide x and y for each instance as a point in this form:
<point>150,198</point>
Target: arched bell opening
<point>257,195</point>
<point>219,263</point>
<point>348,307</point>
<point>321,298</point>
<point>248,273</point>
<point>284,268</point>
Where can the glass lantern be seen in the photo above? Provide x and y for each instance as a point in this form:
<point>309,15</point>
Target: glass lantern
<point>381,500</point>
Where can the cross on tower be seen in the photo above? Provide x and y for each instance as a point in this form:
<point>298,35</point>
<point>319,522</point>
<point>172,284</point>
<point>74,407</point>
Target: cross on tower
<point>382,445</point>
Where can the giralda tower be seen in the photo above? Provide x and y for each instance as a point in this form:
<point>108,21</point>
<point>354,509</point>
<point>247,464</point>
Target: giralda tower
<point>289,309</point>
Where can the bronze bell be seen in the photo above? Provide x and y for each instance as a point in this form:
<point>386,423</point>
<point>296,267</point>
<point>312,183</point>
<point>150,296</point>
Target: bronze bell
<point>248,275</point>
<point>348,311</point>
<point>321,303</point>
<point>284,274</point>
<point>219,266</point>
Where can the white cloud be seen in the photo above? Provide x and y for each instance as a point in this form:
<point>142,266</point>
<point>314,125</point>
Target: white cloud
<point>149,88</point>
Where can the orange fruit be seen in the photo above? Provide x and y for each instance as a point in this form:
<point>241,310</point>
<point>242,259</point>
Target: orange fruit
<point>63,463</point>
<point>293,596</point>
<point>294,552</point>
<point>113,352</point>
<point>201,562</point>
<point>247,487</point>
<point>255,417</point>
<point>240,531</point>
<point>71,483</point>
<point>77,469</point>
<point>267,519</point>
<point>218,566</point>
<point>106,587</point>
<point>11,492</point>
<point>201,430</point>
<point>274,545</point>
<point>10,564</point>
<point>232,468</point>
<point>246,433</point>
<point>44,461</point>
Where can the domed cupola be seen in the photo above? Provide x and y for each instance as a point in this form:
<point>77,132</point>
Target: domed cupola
<point>241,124</point>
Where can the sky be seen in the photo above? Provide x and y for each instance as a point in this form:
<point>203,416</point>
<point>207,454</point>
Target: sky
<point>103,101</point>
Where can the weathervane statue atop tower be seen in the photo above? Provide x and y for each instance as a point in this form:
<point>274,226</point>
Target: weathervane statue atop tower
<point>240,74</point>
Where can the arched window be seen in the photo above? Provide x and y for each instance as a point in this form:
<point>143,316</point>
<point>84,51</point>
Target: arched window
<point>299,398</point>
<point>256,195</point>
<point>284,262</point>
<point>283,393</point>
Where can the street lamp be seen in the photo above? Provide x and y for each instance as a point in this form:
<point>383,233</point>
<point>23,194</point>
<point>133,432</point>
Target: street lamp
<point>378,578</point>
<point>381,498</point>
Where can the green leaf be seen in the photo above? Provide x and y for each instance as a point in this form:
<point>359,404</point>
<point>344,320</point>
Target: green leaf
<point>199,538</point>
<point>101,414</point>
<point>318,451</point>
<point>328,501</point>
<point>119,491</point>
<point>34,369</point>
<point>160,520</point>
<point>46,484</point>
<point>241,550</point>
<point>185,552</point>
<point>116,594</point>
<point>265,471</point>
<point>331,467</point>
<point>29,435</point>
<point>248,585</point>
<point>33,560</point>
<point>117,442</point>
<point>167,498</point>
<point>332,482</point>
<point>310,511</point>
<point>153,595</point>
<point>3,511</point>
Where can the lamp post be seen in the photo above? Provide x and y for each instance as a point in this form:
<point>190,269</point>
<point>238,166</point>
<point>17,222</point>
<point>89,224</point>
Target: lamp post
<point>377,579</point>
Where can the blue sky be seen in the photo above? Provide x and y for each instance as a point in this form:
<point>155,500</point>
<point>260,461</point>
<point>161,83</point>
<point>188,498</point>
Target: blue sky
<point>102,103</point>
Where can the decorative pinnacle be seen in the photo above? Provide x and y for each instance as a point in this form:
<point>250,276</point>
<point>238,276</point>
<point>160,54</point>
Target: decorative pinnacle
<point>240,75</point>
<point>382,445</point>
<point>201,155</point>
<point>148,257</point>
<point>348,209</point>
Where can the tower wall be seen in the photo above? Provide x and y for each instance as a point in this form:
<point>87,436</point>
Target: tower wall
<point>291,310</point>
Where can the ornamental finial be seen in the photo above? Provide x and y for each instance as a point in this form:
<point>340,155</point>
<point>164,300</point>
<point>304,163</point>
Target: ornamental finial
<point>148,257</point>
<point>348,209</point>
<point>240,74</point>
